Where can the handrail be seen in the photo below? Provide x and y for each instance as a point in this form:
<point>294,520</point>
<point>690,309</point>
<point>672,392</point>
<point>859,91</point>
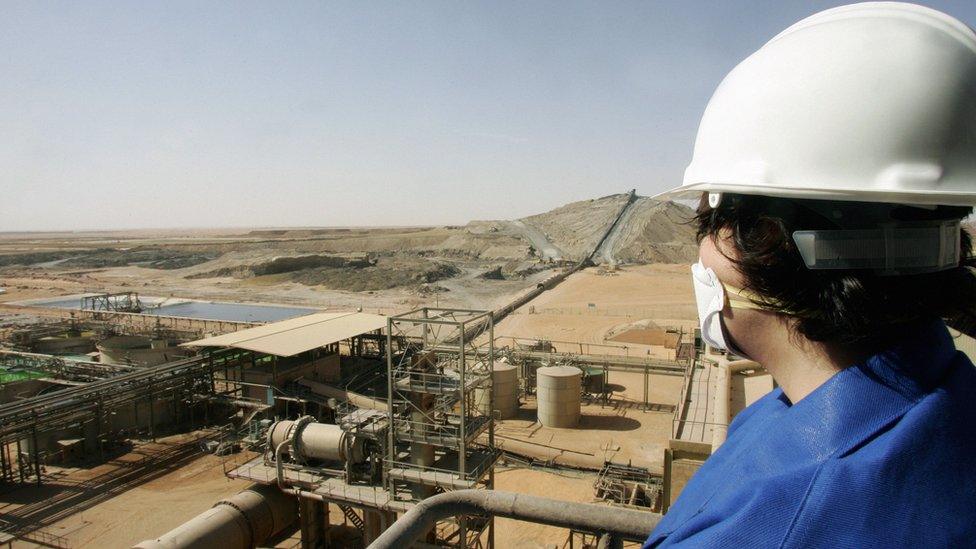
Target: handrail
<point>618,523</point>
<point>474,474</point>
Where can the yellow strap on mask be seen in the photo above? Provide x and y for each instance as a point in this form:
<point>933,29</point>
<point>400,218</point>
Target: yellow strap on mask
<point>740,298</point>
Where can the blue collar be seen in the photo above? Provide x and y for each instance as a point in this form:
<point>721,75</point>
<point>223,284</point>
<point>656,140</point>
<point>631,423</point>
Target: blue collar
<point>865,397</point>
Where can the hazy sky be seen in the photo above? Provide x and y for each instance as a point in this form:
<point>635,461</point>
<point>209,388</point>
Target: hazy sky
<point>203,114</point>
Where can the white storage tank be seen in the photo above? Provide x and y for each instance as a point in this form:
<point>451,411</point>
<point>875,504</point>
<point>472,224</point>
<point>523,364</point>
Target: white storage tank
<point>558,395</point>
<point>505,382</point>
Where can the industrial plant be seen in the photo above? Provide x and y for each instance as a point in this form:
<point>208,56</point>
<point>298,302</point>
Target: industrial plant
<point>392,426</point>
<point>248,298</point>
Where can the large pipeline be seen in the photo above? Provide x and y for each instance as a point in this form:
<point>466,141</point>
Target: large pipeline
<point>360,401</point>
<point>242,521</point>
<point>620,523</point>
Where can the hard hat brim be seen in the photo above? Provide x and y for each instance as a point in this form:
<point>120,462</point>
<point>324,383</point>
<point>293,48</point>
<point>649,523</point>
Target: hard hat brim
<point>907,197</point>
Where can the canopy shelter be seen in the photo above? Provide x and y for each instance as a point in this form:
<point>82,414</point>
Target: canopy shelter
<point>297,335</point>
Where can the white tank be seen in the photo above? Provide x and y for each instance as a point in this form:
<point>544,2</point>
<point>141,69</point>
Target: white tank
<point>504,379</point>
<point>558,395</point>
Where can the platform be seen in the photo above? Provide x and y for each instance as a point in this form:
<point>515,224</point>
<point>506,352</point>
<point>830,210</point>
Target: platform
<point>332,488</point>
<point>444,472</point>
<point>447,435</point>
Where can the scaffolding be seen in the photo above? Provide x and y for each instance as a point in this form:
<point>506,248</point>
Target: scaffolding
<point>124,302</point>
<point>442,432</point>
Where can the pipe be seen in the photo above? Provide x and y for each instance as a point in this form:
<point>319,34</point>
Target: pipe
<point>620,523</point>
<point>723,394</point>
<point>279,467</point>
<point>292,429</point>
<point>360,401</point>
<point>242,521</point>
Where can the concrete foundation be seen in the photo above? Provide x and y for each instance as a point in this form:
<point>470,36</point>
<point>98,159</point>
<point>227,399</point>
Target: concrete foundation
<point>313,517</point>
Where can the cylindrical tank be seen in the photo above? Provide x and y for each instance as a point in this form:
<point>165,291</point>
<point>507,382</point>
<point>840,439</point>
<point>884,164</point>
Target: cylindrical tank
<point>321,441</point>
<point>504,379</point>
<point>137,350</point>
<point>558,395</point>
<point>75,345</point>
<point>242,521</point>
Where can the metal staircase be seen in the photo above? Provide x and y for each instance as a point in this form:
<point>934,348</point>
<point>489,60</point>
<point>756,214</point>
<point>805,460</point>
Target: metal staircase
<point>352,517</point>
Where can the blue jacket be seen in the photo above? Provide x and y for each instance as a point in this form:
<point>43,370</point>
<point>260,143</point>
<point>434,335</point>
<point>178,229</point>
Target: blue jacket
<point>881,455</point>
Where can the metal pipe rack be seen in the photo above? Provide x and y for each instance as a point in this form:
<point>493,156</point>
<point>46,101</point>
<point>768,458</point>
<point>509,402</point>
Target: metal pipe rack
<point>82,403</point>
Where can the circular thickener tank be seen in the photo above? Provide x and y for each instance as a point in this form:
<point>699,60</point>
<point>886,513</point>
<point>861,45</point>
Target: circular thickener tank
<point>76,345</point>
<point>137,351</point>
<point>558,395</point>
<point>504,379</point>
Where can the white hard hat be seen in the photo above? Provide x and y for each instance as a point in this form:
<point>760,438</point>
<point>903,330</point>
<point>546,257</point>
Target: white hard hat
<point>872,102</point>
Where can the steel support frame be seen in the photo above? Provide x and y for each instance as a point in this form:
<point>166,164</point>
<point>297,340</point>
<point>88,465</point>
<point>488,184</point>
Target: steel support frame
<point>465,327</point>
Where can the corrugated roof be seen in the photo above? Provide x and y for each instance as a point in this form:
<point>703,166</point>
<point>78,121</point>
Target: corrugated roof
<point>297,335</point>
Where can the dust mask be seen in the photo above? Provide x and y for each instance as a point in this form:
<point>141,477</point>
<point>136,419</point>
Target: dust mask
<point>711,296</point>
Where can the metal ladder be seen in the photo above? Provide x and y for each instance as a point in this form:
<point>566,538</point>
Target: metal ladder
<point>353,517</point>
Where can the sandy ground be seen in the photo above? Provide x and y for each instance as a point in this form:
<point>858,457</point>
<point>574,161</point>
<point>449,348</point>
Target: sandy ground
<point>589,305</point>
<point>136,496</point>
<point>621,431</point>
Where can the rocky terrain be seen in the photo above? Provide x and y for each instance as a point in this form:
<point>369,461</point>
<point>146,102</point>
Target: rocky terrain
<point>477,264</point>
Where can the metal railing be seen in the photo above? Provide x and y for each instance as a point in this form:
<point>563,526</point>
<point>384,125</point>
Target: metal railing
<point>485,460</point>
<point>680,423</point>
<point>685,397</point>
<point>444,434</point>
<point>555,346</point>
<point>434,382</point>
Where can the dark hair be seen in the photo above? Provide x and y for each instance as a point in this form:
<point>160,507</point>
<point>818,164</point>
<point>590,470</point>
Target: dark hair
<point>839,306</point>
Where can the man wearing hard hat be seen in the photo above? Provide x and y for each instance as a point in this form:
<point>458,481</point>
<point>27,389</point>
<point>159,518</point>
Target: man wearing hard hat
<point>834,167</point>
